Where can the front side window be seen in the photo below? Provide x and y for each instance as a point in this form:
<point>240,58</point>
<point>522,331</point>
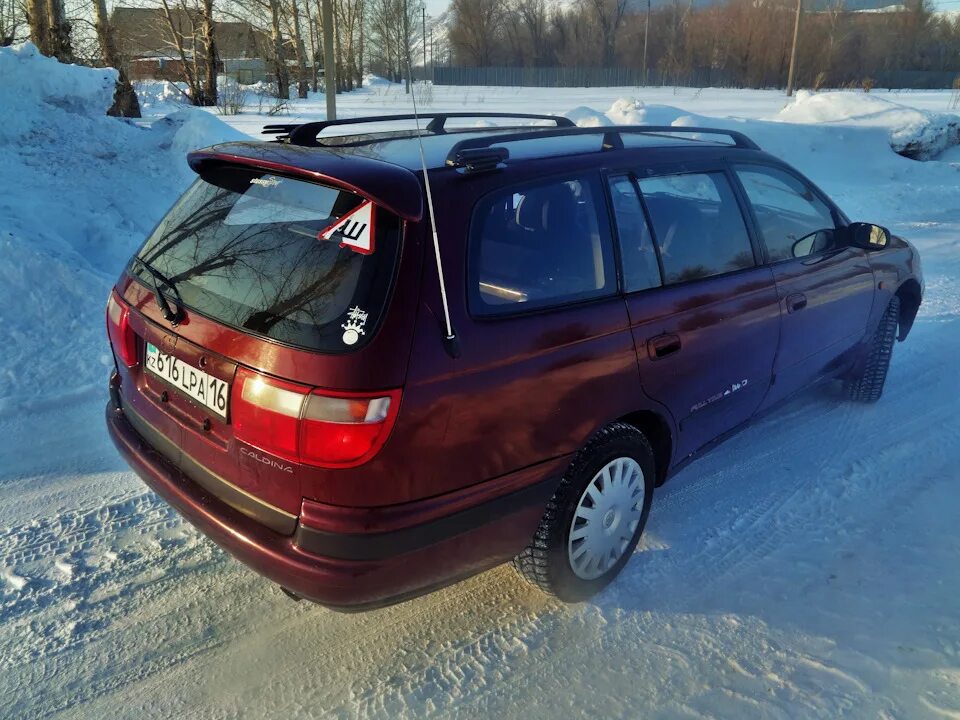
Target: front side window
<point>245,248</point>
<point>539,245</point>
<point>792,220</point>
<point>638,256</point>
<point>698,225</point>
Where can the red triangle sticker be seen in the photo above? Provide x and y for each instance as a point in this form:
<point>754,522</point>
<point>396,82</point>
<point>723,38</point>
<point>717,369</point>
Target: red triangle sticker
<point>354,230</point>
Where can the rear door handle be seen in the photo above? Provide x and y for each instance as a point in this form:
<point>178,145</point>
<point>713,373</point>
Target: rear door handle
<point>796,301</point>
<point>663,345</point>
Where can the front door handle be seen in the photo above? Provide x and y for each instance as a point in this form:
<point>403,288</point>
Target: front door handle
<point>796,301</point>
<point>663,345</point>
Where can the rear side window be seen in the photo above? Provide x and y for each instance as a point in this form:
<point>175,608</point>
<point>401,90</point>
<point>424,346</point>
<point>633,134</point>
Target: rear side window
<point>244,248</point>
<point>638,256</point>
<point>792,220</point>
<point>539,245</point>
<point>698,225</point>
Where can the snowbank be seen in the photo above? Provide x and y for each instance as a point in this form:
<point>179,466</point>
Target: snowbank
<point>850,144</point>
<point>584,116</point>
<point>32,81</point>
<point>159,96</point>
<point>628,111</point>
<point>78,193</point>
<point>371,80</point>
<point>918,134</point>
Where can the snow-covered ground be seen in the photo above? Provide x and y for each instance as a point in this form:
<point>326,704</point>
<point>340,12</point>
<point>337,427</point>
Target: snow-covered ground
<point>806,568</point>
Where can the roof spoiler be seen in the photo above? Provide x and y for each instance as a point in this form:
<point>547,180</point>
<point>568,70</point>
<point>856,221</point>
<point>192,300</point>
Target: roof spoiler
<point>390,186</point>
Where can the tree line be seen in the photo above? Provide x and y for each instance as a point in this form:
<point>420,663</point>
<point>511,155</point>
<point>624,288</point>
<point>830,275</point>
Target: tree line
<point>744,42</point>
<point>740,42</point>
<point>379,36</point>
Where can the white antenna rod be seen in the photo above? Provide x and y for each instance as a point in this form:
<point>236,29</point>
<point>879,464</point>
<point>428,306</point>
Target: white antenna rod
<point>433,220</point>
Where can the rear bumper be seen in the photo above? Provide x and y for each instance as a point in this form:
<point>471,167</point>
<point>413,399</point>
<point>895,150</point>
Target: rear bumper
<point>370,569</point>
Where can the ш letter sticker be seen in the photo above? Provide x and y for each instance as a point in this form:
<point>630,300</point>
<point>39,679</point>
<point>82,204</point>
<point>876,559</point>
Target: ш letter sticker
<point>354,230</point>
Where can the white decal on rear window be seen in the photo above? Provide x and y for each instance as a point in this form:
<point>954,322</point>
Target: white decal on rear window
<point>353,327</point>
<point>354,230</point>
<point>265,181</point>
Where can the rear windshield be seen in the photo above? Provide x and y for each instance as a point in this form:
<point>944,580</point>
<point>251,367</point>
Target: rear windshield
<point>243,247</point>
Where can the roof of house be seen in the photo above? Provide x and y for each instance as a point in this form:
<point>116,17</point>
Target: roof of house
<point>145,32</point>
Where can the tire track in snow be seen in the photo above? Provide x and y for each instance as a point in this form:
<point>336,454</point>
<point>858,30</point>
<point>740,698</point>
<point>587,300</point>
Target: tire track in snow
<point>178,614</point>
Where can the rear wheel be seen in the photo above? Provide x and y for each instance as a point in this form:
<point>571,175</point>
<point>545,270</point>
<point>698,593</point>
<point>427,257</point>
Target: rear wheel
<point>595,518</point>
<point>869,386</point>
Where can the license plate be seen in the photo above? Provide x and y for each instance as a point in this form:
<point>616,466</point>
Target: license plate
<point>209,391</point>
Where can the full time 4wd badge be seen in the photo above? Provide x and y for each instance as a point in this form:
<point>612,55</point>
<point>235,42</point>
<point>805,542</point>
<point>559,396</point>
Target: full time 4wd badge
<point>354,230</point>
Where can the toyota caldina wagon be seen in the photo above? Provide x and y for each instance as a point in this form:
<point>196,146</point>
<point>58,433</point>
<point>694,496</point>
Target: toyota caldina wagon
<point>364,405</point>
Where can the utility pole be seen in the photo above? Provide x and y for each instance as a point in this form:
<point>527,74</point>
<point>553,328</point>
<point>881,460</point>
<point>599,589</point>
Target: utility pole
<point>646,34</point>
<point>329,61</point>
<point>423,16</point>
<point>793,51</point>
<point>433,58</point>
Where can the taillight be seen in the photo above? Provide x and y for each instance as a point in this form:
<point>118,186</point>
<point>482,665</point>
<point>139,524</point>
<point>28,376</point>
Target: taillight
<point>322,428</point>
<point>343,430</point>
<point>266,413</point>
<point>121,335</point>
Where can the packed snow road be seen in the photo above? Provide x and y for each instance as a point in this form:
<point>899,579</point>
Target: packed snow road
<point>806,568</point>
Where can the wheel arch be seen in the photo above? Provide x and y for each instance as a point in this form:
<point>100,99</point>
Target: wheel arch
<point>657,430</point>
<point>910,296</point>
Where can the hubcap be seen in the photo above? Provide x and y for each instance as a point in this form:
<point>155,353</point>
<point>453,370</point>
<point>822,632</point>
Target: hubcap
<point>606,518</point>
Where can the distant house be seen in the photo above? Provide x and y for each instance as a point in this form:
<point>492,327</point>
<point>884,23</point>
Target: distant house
<point>150,48</point>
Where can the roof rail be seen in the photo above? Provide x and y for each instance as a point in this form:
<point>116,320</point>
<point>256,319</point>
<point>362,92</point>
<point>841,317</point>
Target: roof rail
<point>306,133</point>
<point>466,153</point>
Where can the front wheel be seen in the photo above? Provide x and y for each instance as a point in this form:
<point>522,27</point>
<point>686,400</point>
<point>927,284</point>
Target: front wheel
<point>869,386</point>
<point>595,518</point>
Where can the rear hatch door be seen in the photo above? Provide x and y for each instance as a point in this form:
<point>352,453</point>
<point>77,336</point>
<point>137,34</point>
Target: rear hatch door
<point>247,258</point>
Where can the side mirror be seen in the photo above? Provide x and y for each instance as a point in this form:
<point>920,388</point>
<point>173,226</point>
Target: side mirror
<point>867,236</point>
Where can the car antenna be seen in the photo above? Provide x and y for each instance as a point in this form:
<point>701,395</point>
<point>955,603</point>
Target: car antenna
<point>450,341</point>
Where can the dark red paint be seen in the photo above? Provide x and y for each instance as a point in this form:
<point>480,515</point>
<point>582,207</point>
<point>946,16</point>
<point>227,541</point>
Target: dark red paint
<point>524,393</point>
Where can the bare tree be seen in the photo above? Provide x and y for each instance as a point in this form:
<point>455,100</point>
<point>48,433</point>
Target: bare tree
<point>312,25</point>
<point>125,103</point>
<point>348,16</point>
<point>11,18</point>
<point>406,45</point>
<point>475,29</point>
<point>608,16</point>
<point>49,28</point>
<point>383,17</point>
<point>209,45</point>
<point>299,48</point>
<point>189,30</point>
<point>279,57</point>
<point>58,32</point>
<point>532,15</point>
<point>392,31</point>
<point>37,19</point>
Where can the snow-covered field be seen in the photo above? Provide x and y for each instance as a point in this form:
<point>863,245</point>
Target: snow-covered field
<point>809,567</point>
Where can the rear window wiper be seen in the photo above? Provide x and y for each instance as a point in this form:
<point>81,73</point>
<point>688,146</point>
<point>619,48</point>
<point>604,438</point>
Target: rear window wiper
<point>169,314</point>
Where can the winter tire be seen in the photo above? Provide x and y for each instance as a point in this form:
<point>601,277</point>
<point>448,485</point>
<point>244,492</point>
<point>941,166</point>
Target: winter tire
<point>869,386</point>
<point>595,518</point>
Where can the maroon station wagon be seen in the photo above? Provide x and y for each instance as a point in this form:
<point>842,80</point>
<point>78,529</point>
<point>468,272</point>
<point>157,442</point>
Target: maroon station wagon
<point>363,410</point>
